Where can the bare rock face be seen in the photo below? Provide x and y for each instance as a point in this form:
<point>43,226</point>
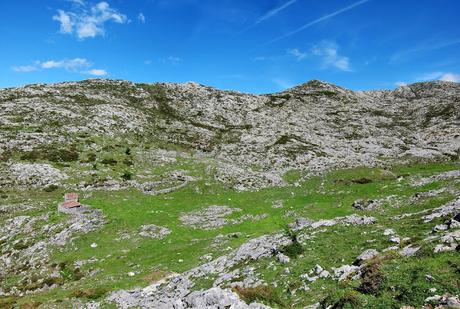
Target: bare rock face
<point>254,139</point>
<point>32,175</point>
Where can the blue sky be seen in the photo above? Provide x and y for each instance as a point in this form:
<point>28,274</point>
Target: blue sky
<point>256,46</point>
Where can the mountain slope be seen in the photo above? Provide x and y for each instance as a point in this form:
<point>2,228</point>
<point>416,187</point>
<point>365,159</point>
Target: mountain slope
<point>314,197</point>
<point>255,139</point>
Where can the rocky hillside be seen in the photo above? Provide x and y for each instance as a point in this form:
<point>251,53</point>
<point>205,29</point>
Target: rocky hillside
<point>254,139</point>
<point>192,197</point>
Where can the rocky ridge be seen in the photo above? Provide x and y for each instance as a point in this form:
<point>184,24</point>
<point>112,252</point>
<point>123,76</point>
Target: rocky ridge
<point>254,139</point>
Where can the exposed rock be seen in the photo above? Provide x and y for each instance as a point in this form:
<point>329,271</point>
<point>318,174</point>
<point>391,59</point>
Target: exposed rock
<point>438,177</point>
<point>451,238</point>
<point>422,195</point>
<point>217,298</point>
<point>345,271</point>
<point>278,204</point>
<point>388,232</point>
<point>443,211</point>
<point>440,227</point>
<point>366,255</point>
<point>220,239</point>
<point>211,217</point>
<point>27,243</point>
<point>408,251</point>
<point>32,175</point>
<point>361,204</point>
<point>302,223</point>
<point>284,259</point>
<point>445,301</point>
<point>254,139</point>
<point>154,231</point>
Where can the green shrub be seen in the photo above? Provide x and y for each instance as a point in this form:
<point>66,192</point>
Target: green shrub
<point>372,279</point>
<point>127,175</point>
<point>30,156</point>
<point>128,162</point>
<point>62,155</point>
<point>259,293</point>
<point>91,157</point>
<point>51,153</point>
<point>51,188</point>
<point>294,249</point>
<point>91,293</point>
<point>109,161</point>
<point>342,298</point>
<point>362,180</point>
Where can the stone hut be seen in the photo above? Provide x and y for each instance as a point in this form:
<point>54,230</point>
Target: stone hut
<point>71,204</point>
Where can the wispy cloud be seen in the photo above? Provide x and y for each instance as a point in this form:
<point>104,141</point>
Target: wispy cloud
<point>141,18</point>
<point>297,53</point>
<point>88,23</point>
<point>270,14</point>
<point>444,76</point>
<point>171,60</point>
<point>25,68</point>
<point>76,65</point>
<point>97,72</point>
<point>328,52</point>
<point>318,20</point>
<point>429,45</point>
<point>450,77</point>
<point>78,2</point>
<point>274,12</point>
<point>282,83</point>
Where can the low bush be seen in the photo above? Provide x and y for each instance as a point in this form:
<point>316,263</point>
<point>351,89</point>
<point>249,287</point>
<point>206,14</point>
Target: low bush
<point>372,279</point>
<point>51,188</point>
<point>263,293</point>
<point>127,175</point>
<point>109,161</point>
<point>362,180</point>
<point>91,293</point>
<point>294,249</point>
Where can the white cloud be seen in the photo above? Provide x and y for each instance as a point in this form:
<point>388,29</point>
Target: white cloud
<point>444,76</point>
<point>69,65</point>
<point>328,51</point>
<point>297,53</point>
<point>141,18</point>
<point>64,19</point>
<point>97,72</point>
<point>282,83</point>
<point>77,65</point>
<point>25,68</point>
<point>171,60</point>
<point>450,77</point>
<point>88,23</point>
<point>400,84</point>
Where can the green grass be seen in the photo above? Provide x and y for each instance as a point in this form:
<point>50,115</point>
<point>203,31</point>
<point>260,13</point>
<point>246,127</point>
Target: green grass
<point>321,197</point>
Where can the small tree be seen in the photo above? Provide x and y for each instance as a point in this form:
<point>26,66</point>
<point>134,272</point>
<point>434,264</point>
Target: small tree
<point>294,249</point>
<point>127,175</point>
